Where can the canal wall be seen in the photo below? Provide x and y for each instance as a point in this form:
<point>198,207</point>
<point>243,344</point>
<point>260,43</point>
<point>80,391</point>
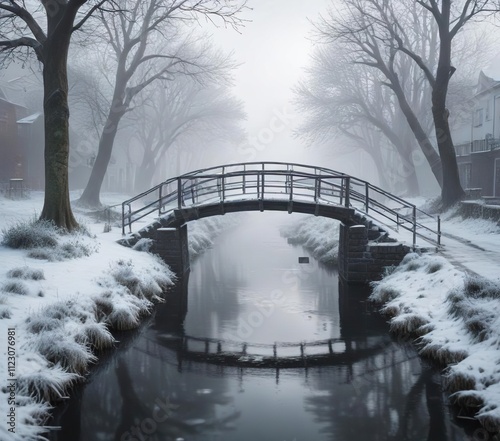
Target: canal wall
<point>479,210</point>
<point>361,258</point>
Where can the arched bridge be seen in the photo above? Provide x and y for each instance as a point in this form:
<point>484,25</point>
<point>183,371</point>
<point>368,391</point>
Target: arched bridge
<point>291,187</point>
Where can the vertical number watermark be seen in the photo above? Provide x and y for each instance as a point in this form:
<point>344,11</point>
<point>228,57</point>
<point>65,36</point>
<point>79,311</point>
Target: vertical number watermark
<point>11,380</point>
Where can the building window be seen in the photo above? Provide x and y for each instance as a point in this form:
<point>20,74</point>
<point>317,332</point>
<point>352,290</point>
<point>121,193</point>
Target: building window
<point>464,171</point>
<point>487,113</point>
<point>478,118</point>
<point>3,121</point>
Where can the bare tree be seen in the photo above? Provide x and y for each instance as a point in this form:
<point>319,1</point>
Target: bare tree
<point>148,45</point>
<point>381,31</point>
<point>361,29</point>
<point>183,113</point>
<point>46,29</point>
<point>340,97</point>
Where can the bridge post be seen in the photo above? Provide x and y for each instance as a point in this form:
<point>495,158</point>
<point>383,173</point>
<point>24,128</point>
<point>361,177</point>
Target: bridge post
<point>171,245</point>
<point>347,191</point>
<point>352,259</point>
<point>362,261</point>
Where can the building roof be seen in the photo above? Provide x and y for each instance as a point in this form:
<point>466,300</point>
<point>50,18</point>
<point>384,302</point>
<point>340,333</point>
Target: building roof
<point>5,98</point>
<point>485,83</point>
<point>30,119</point>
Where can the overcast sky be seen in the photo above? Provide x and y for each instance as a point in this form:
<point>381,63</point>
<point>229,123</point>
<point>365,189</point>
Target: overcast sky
<point>273,48</point>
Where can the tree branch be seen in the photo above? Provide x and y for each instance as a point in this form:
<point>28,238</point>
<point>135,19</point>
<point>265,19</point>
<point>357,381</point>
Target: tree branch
<point>23,42</point>
<point>89,14</point>
<point>25,16</point>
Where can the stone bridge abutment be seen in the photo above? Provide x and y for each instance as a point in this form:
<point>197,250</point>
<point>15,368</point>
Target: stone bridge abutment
<point>364,252</point>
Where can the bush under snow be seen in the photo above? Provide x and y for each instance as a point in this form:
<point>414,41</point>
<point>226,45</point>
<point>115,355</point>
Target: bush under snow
<point>30,234</point>
<point>26,273</point>
<point>45,241</point>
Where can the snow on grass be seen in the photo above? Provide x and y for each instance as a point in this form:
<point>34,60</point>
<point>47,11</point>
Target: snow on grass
<point>453,219</point>
<point>25,273</point>
<point>27,234</point>
<point>456,318</point>
<point>63,294</point>
<point>47,242</point>
<point>319,235</point>
<point>201,233</point>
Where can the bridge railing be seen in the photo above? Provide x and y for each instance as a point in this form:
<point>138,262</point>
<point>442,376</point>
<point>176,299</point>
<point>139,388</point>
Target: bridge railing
<point>280,181</point>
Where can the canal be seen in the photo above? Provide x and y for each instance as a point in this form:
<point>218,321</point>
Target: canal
<point>251,289</point>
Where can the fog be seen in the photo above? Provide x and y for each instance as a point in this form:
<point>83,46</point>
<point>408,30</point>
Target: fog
<point>271,54</point>
<point>274,48</point>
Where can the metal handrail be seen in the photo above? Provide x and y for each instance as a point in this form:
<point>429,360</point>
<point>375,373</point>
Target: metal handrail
<point>268,180</point>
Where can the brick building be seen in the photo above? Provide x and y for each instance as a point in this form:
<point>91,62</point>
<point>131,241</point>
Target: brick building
<point>11,148</point>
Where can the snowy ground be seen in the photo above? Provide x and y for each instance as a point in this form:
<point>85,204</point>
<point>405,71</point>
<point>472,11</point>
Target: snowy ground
<point>449,301</point>
<point>72,292</point>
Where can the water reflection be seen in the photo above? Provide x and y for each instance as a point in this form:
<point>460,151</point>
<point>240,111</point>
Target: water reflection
<point>390,395</point>
<point>152,390</point>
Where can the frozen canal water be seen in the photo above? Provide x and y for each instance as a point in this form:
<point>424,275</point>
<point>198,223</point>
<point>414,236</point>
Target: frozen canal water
<point>250,288</point>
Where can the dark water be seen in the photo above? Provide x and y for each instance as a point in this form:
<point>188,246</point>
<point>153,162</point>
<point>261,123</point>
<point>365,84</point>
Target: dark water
<point>251,289</point>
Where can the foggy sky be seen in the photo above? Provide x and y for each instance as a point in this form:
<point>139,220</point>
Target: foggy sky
<point>273,49</point>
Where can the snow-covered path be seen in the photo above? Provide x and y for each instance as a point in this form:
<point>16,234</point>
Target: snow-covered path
<point>474,245</point>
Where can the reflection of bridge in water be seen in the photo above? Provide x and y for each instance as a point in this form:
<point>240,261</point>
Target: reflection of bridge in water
<point>278,355</point>
<point>363,335</point>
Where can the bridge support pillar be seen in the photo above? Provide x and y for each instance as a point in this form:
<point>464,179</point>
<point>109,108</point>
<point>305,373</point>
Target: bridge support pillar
<point>169,316</point>
<point>171,245</point>
<point>362,261</point>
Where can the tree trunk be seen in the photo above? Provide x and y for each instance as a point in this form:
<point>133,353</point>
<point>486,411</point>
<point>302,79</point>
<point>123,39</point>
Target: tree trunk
<point>381,171</point>
<point>406,173</point>
<point>451,190</point>
<point>144,174</point>
<point>91,195</point>
<point>409,173</point>
<point>425,144</point>
<point>57,206</point>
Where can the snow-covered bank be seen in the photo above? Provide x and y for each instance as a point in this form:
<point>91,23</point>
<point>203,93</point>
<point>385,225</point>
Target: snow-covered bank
<point>457,320</point>
<point>202,232</point>
<point>60,295</point>
<point>319,235</point>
